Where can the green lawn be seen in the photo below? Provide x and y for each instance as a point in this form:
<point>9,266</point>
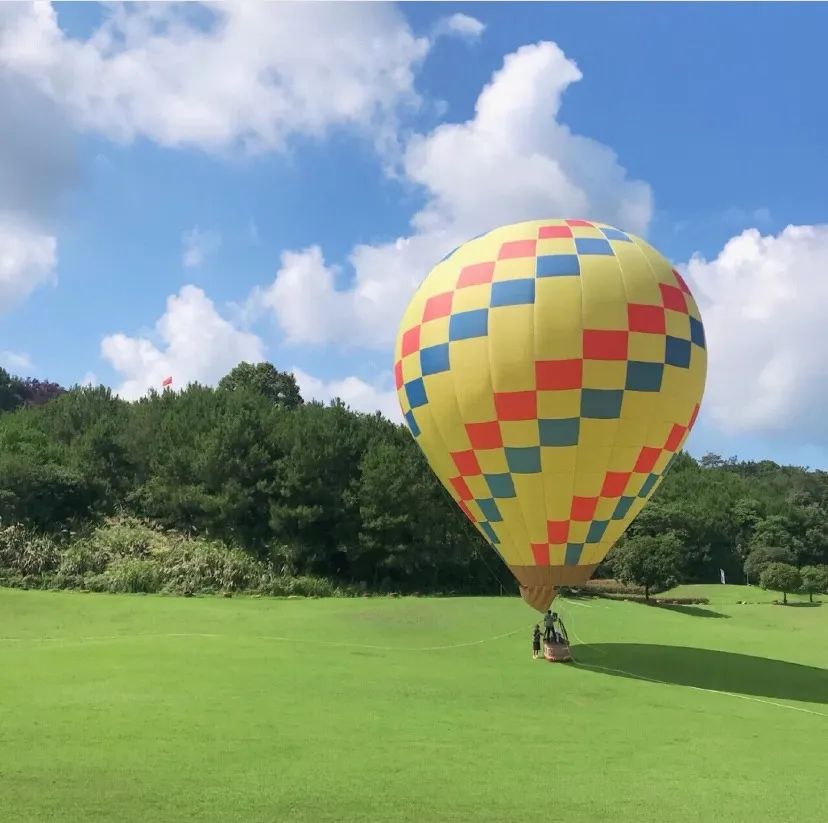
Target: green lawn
<point>131,708</point>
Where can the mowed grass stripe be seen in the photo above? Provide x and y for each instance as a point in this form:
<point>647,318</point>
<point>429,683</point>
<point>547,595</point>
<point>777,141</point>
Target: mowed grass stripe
<point>240,726</point>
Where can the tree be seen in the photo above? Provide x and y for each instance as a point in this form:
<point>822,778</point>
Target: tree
<point>781,577</point>
<point>10,387</point>
<point>814,580</point>
<point>651,561</point>
<point>777,530</point>
<point>764,556</point>
<point>264,378</point>
<point>711,461</point>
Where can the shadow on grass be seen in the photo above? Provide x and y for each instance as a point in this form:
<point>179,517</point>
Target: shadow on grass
<point>692,610</point>
<point>805,605</point>
<point>707,669</point>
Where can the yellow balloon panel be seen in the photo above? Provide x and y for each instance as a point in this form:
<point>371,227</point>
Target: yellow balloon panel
<point>550,370</point>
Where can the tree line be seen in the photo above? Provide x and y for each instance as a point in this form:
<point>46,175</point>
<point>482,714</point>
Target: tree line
<point>321,491</point>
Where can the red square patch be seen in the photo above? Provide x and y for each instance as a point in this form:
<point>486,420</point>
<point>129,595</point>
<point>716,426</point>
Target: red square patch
<point>648,319</point>
<point>578,223</point>
<point>680,281</point>
<point>398,378</point>
<point>517,248</point>
<point>438,306</point>
<point>693,417</point>
<point>583,508</point>
<point>484,435</point>
<point>476,274</point>
<point>411,341</point>
<point>605,345</point>
<point>557,531</point>
<point>551,232</point>
<point>461,488</point>
<point>672,298</point>
<point>647,458</point>
<point>614,484</point>
<point>466,463</point>
<point>516,405</point>
<point>541,554</point>
<point>674,438</point>
<point>554,375</point>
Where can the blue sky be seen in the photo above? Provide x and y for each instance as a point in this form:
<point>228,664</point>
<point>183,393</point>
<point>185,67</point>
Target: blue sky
<point>716,115</point>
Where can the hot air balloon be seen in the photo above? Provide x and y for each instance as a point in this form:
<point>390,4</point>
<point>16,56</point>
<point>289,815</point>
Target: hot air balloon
<point>550,371</point>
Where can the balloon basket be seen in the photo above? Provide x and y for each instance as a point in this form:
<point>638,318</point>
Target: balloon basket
<point>557,652</point>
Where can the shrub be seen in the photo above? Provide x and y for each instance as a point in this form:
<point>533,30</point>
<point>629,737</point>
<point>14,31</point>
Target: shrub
<point>82,557</point>
<point>132,575</point>
<point>26,552</point>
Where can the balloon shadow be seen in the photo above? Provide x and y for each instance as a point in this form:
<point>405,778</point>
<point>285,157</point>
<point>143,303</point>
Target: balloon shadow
<point>695,611</point>
<point>707,669</point>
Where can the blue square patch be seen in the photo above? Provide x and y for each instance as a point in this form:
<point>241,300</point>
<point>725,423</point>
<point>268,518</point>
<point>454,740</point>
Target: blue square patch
<point>592,245</point>
<point>523,460</point>
<point>500,485</point>
<point>557,265</point>
<point>677,352</point>
<point>468,324</point>
<point>513,292</point>
<point>416,393</point>
<point>601,404</point>
<point>434,359</point>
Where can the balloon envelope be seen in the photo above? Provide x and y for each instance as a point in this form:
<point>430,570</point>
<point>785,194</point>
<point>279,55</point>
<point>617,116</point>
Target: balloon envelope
<point>550,370</point>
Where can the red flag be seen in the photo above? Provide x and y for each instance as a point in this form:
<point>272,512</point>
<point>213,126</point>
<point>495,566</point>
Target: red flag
<point>167,381</point>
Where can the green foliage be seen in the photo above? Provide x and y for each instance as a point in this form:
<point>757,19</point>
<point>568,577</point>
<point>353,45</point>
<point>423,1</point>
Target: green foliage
<point>814,580</point>
<point>264,379</point>
<point>25,552</point>
<point>322,492</point>
<point>781,577</point>
<point>131,575</point>
<point>763,556</point>
<point>651,561</point>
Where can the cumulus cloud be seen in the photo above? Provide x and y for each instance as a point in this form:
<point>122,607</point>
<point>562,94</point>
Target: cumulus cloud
<point>356,393</point>
<point>219,75</point>
<point>193,343</point>
<point>15,361</point>
<point>37,165</point>
<point>460,25</point>
<point>27,260</point>
<point>763,303</point>
<point>512,161</point>
<point>198,245</point>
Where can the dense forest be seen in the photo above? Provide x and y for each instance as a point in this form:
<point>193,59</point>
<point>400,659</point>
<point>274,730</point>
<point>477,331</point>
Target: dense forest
<point>246,486</point>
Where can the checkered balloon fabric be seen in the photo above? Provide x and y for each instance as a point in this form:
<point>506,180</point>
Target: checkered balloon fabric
<point>550,370</point>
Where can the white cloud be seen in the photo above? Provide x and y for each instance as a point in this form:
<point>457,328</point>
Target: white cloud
<point>356,393</point>
<point>218,75</point>
<point>27,260</point>
<point>196,344</point>
<point>90,379</point>
<point>763,304</point>
<point>513,161</point>
<point>460,25</point>
<point>198,245</point>
<point>15,361</point>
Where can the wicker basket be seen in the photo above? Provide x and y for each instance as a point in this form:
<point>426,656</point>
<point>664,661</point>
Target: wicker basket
<point>556,652</point>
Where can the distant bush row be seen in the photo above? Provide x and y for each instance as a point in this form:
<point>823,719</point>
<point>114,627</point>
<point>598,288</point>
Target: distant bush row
<point>131,556</point>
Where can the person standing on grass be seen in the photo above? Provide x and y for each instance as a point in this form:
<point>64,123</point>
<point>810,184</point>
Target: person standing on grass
<point>536,638</point>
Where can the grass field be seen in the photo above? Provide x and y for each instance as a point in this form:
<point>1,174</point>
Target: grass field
<point>132,708</point>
